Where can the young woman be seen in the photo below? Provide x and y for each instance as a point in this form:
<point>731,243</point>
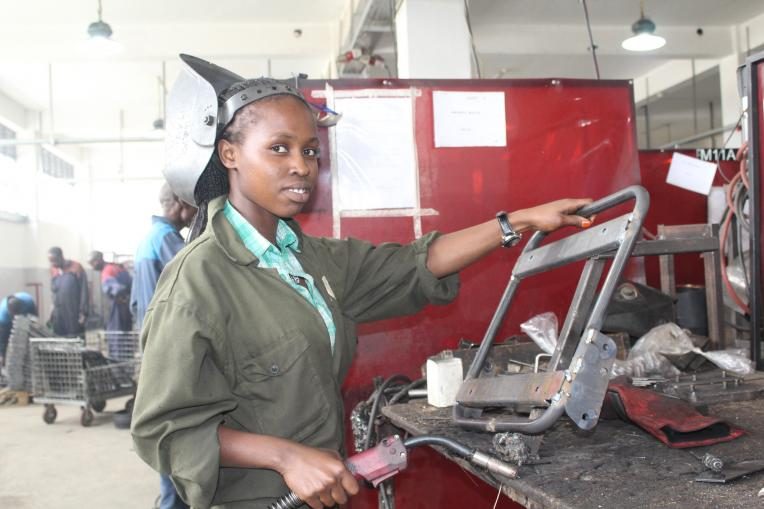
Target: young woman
<point>252,327</point>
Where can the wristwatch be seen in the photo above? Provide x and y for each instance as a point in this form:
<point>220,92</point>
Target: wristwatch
<point>509,237</point>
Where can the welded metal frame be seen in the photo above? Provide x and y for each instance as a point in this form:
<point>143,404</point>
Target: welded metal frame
<point>579,370</point>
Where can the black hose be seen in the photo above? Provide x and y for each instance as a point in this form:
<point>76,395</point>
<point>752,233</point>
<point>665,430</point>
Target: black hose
<point>452,445</point>
<point>375,406</point>
<point>405,390</point>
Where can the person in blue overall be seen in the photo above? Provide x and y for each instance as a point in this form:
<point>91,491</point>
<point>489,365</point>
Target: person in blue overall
<point>155,251</point>
<point>20,303</point>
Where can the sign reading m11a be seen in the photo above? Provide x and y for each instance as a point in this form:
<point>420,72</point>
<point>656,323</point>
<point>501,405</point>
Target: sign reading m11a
<point>716,154</point>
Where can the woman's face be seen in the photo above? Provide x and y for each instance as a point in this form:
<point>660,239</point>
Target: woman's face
<point>274,166</point>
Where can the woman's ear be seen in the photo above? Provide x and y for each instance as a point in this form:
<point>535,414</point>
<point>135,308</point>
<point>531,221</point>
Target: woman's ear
<point>227,154</point>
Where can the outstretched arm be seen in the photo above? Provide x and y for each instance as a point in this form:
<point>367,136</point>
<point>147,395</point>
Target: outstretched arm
<point>452,252</point>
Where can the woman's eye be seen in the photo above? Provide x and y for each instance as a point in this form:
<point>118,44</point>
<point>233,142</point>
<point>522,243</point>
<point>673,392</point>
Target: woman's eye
<point>311,152</point>
<point>279,149</point>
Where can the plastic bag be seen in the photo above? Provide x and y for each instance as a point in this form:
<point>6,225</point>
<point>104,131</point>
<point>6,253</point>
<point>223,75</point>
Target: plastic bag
<point>542,329</point>
<point>646,356</point>
<point>648,364</point>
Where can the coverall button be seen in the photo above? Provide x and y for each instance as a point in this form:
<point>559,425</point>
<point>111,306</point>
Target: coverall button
<point>274,369</point>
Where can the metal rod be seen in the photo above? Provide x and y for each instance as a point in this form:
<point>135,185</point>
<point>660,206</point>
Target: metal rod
<point>694,99</point>
<point>50,97</point>
<point>647,112</point>
<point>699,136</point>
<point>164,91</point>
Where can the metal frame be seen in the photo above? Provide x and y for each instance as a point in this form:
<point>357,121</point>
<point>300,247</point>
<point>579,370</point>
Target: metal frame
<point>753,86</point>
<point>578,371</point>
<point>692,238</point>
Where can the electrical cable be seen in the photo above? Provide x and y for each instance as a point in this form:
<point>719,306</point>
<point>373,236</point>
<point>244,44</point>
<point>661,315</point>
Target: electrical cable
<point>591,40</point>
<point>724,145</point>
<point>725,229</point>
<point>472,39</point>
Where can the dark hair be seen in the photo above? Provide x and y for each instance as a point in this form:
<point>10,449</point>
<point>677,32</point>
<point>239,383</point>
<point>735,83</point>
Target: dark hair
<point>213,181</point>
<point>14,305</point>
<point>56,251</point>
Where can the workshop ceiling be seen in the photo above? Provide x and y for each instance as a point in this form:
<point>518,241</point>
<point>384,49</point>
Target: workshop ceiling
<point>42,47</point>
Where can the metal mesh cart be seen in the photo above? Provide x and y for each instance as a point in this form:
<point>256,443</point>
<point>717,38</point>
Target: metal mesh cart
<point>118,345</point>
<point>18,360</point>
<point>65,372</point>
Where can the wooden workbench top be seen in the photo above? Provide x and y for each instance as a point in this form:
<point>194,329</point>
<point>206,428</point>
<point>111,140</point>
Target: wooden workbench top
<point>617,465</point>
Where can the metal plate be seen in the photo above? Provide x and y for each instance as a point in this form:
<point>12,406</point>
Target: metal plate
<point>590,372</point>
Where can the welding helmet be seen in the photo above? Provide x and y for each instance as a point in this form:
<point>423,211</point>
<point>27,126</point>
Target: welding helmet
<point>197,113</point>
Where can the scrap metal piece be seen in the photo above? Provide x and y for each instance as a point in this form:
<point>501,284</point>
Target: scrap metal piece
<point>512,447</point>
<point>731,472</point>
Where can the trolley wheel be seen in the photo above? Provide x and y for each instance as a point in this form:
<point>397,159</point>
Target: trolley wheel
<point>86,419</point>
<point>50,414</point>
<point>98,405</point>
<point>129,405</point>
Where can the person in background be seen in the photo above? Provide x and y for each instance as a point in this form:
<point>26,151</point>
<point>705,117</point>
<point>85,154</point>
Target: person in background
<point>69,285</point>
<point>159,247</point>
<point>116,284</point>
<point>155,251</point>
<point>20,303</point>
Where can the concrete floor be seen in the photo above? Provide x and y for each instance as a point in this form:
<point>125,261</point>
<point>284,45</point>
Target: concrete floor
<point>67,466</point>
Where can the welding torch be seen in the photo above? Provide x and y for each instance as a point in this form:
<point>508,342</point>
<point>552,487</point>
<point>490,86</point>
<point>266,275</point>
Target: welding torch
<point>390,456</point>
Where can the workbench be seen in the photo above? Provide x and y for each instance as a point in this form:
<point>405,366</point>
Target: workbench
<point>617,465</point>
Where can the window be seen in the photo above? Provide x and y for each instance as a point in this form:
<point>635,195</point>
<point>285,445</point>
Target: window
<point>6,133</point>
<point>55,166</point>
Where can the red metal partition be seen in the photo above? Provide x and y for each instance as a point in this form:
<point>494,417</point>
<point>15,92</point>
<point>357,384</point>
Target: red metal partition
<point>565,138</point>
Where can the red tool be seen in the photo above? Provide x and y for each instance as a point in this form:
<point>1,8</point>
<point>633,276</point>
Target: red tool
<point>390,456</point>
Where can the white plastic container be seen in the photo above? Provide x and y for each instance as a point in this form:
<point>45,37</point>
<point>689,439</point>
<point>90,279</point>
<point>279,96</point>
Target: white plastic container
<point>444,376</point>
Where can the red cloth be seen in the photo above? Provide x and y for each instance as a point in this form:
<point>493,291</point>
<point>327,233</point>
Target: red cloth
<point>111,270</point>
<point>673,421</point>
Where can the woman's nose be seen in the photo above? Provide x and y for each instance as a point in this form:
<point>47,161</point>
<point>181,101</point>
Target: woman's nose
<point>300,167</point>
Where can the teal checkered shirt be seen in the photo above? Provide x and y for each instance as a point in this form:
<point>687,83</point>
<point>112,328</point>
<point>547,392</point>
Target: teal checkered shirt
<point>282,259</point>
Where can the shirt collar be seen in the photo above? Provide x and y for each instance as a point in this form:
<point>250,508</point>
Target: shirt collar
<point>255,242</point>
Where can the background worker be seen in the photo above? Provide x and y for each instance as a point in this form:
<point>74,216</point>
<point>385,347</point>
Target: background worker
<point>116,284</point>
<point>71,304</point>
<point>20,303</point>
<point>158,247</point>
<point>155,251</point>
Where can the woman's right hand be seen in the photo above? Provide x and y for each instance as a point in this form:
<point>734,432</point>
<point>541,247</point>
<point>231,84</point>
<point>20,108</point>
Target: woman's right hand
<point>317,476</point>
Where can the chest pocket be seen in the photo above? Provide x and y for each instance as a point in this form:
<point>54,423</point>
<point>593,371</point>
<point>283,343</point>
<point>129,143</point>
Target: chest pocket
<point>286,396</point>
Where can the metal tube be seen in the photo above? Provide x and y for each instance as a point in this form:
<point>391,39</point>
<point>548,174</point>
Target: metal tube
<point>79,141</point>
<point>699,136</point>
<point>493,327</point>
<point>534,427</point>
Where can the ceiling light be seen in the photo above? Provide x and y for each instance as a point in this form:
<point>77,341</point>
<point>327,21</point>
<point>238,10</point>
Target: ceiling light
<point>99,36</point>
<point>643,39</point>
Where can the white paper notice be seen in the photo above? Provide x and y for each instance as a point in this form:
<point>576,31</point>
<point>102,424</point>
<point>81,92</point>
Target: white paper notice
<point>691,173</point>
<point>469,119</point>
<point>376,163</point>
